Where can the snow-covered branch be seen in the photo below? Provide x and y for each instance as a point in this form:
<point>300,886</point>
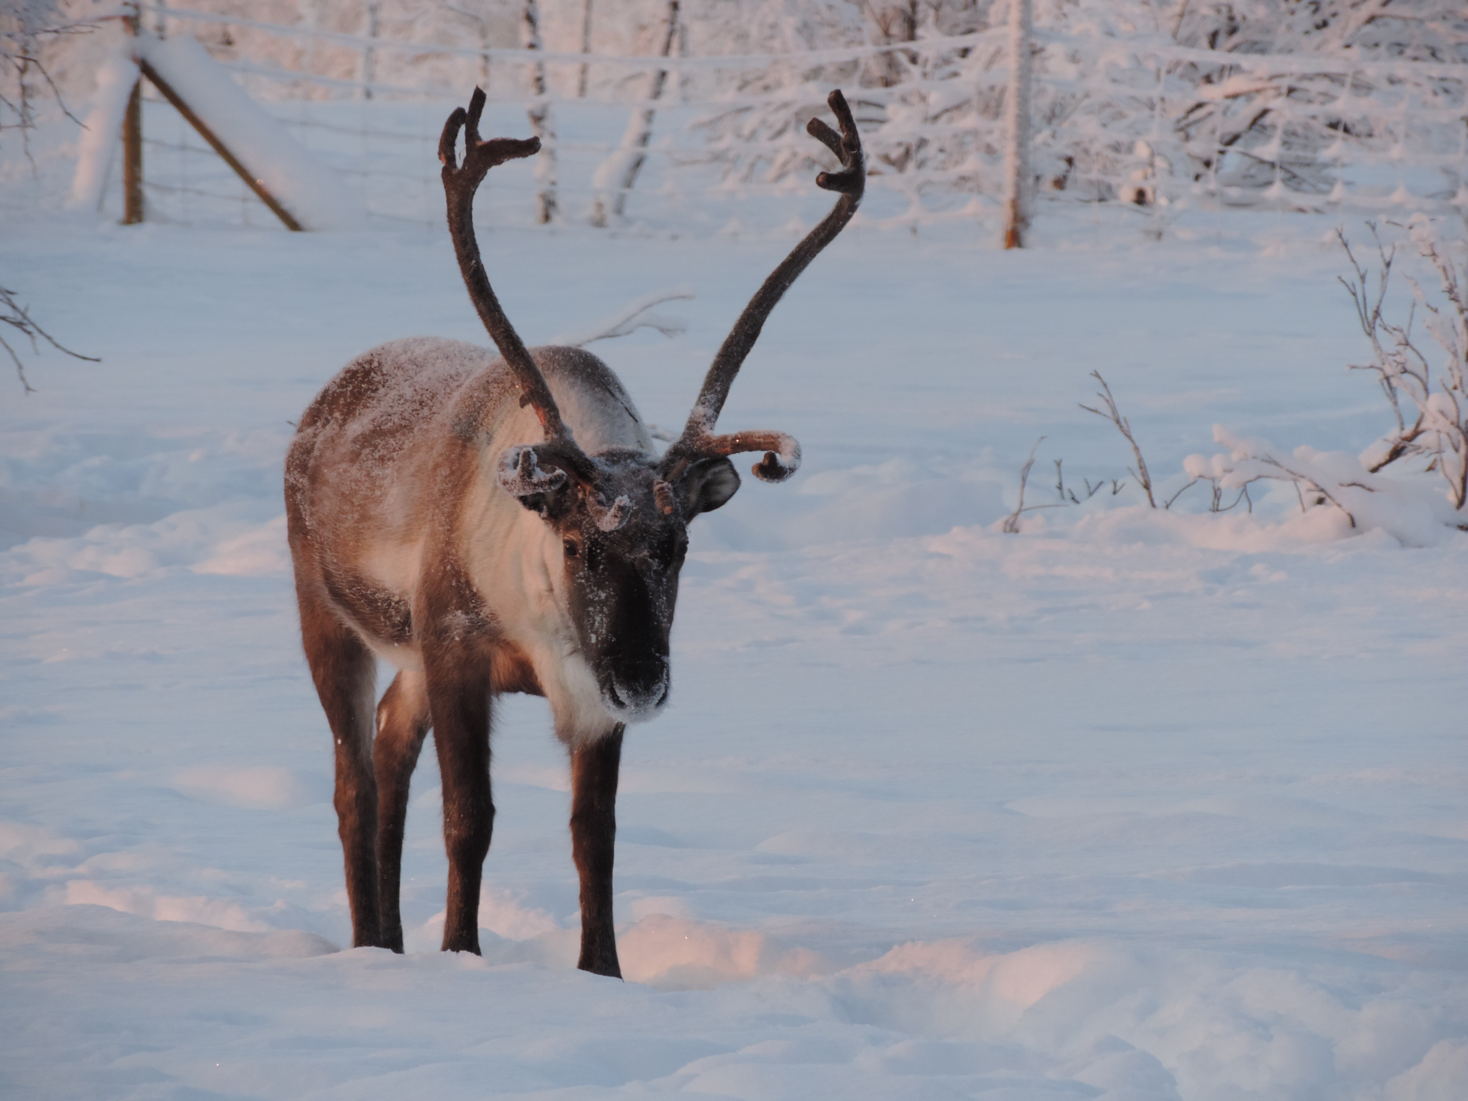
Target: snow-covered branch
<point>24,25</point>
<point>1438,437</point>
<point>1326,475</point>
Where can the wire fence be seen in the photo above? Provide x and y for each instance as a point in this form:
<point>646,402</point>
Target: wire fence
<point>1135,120</point>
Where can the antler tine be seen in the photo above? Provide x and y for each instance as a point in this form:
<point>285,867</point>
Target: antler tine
<point>782,453</point>
<point>460,183</point>
<point>449,139</point>
<point>846,146</point>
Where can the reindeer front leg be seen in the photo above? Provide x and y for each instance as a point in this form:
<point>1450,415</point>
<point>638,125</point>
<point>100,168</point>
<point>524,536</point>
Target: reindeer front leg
<point>594,768</point>
<point>458,699</point>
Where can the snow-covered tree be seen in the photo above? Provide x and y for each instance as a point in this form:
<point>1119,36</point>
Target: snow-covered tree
<point>1132,100</point>
<point>542,121</point>
<point>617,175</point>
<point>24,25</point>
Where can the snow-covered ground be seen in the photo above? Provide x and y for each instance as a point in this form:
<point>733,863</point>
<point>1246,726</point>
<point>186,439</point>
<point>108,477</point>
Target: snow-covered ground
<point>1133,804</point>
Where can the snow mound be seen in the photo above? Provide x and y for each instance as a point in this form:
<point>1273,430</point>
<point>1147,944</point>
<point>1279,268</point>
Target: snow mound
<point>675,953</point>
<point>220,541</point>
<point>100,934</point>
<point>262,787</point>
<point>891,499</point>
<point>198,910</point>
<point>259,552</point>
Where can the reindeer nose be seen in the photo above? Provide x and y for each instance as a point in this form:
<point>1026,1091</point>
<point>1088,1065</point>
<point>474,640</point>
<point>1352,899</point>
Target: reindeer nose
<point>639,696</point>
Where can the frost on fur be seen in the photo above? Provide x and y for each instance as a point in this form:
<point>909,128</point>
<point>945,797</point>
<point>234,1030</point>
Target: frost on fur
<point>520,473</point>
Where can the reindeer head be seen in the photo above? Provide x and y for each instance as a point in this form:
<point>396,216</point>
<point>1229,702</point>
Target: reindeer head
<point>623,533</point>
<point>622,516</point>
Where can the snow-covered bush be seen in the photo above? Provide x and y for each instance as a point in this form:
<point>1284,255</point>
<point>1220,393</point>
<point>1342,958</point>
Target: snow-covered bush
<point>1416,474</point>
<point>1439,435</point>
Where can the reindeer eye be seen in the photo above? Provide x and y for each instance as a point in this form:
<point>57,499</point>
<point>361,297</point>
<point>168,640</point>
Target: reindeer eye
<point>572,549</point>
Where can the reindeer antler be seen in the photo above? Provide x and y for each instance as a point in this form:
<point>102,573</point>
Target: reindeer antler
<point>460,184</point>
<point>782,452</point>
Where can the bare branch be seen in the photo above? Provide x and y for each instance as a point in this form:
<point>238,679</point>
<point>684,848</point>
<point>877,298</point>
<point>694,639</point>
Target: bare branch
<point>15,315</point>
<point>1180,492</point>
<point>1124,427</point>
<point>21,30</point>
<point>1011,523</point>
<point>629,319</point>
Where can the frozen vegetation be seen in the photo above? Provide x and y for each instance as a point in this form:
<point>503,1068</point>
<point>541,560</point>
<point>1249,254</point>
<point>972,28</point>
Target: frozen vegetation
<point>1133,804</point>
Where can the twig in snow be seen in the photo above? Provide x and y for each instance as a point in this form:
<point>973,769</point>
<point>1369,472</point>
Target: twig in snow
<point>1124,427</point>
<point>1011,523</point>
<point>1217,504</point>
<point>1069,495</point>
<point>1180,492</point>
<point>1300,478</point>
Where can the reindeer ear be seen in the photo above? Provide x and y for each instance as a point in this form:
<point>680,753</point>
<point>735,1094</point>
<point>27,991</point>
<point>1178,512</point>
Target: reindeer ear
<point>542,490</point>
<point>706,485</point>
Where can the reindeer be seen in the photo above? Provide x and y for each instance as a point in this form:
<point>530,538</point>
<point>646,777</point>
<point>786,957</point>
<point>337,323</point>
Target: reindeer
<point>492,525</point>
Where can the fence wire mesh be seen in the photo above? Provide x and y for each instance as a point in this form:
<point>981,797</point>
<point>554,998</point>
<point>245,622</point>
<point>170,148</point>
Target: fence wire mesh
<point>1120,114</point>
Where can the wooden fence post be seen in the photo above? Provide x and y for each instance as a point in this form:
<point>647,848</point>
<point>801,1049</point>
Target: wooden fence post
<point>252,182</point>
<point>132,158</point>
<point>132,144</point>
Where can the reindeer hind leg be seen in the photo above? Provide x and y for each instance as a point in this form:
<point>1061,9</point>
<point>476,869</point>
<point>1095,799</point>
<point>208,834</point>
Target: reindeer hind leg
<point>402,725</point>
<point>344,670</point>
